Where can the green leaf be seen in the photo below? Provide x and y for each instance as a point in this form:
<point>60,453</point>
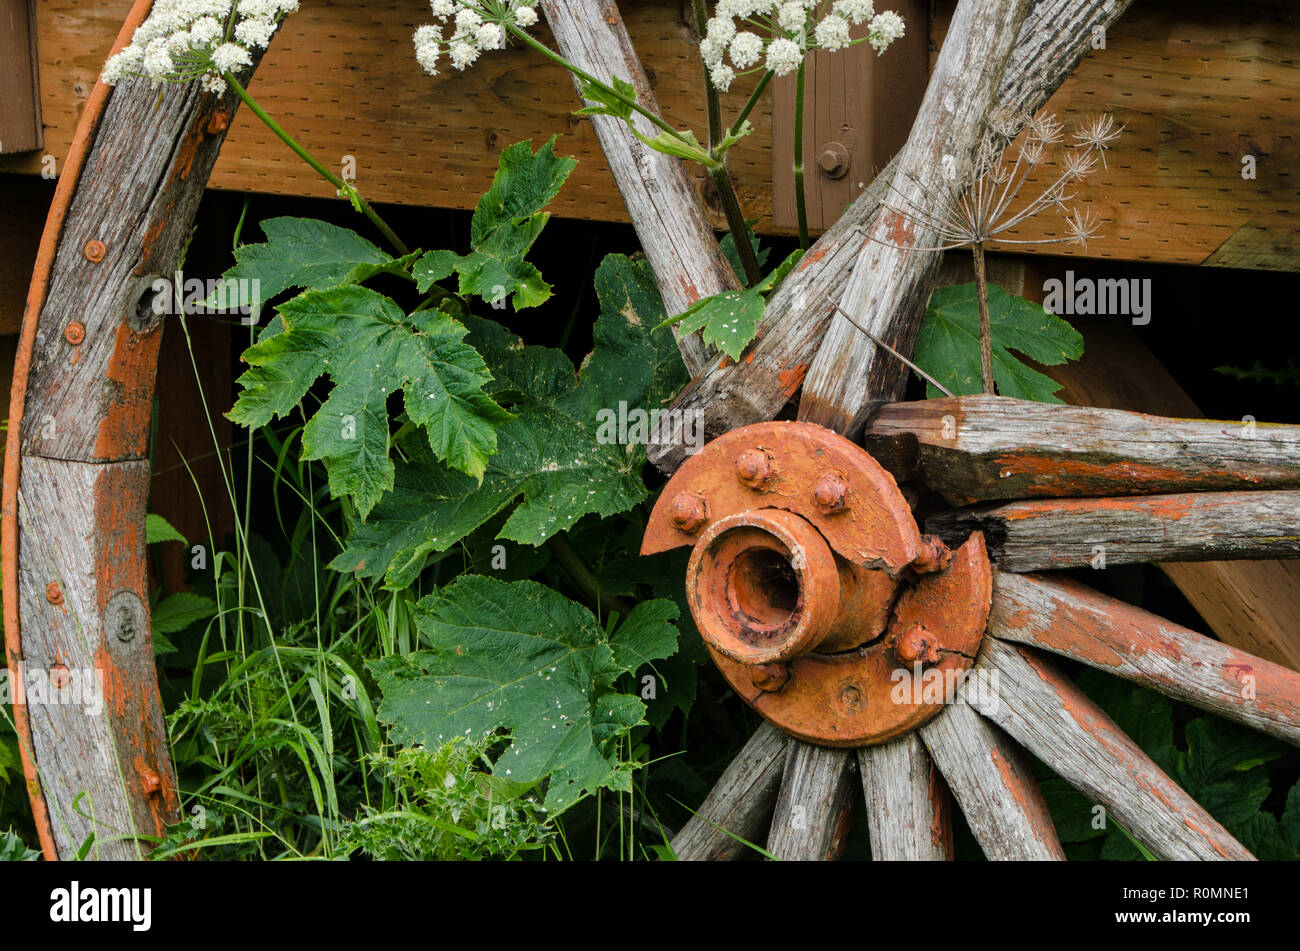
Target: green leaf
<point>370,349</point>
<point>178,611</point>
<point>728,246</point>
<point>302,252</point>
<point>13,849</point>
<point>158,529</point>
<point>948,345</point>
<point>681,144</point>
<point>607,103</point>
<point>506,223</point>
<point>522,658</point>
<point>730,320</point>
<point>558,453</point>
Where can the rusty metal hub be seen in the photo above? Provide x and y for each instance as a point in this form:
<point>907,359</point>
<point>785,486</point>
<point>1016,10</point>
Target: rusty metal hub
<point>814,590</point>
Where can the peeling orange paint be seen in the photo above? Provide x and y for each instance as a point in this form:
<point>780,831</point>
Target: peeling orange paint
<point>792,378</point>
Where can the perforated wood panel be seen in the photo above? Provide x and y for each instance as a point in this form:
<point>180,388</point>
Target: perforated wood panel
<point>1199,85</point>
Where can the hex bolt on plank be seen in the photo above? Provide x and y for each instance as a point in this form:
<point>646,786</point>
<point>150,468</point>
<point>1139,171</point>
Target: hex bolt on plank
<point>812,586</point>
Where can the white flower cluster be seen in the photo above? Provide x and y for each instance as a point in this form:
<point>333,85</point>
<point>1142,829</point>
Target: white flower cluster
<point>473,28</point>
<point>779,33</point>
<point>198,39</point>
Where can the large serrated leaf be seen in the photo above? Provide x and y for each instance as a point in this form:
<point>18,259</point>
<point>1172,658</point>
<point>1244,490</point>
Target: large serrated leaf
<point>948,344</point>
<point>506,223</point>
<point>306,253</point>
<point>369,349</point>
<point>551,454</point>
<point>522,658</point>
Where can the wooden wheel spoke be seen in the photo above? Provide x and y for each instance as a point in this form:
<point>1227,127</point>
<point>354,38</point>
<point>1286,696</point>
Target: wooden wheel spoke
<point>1074,533</point>
<point>909,808</point>
<point>738,803</point>
<point>1074,621</point>
<point>1058,723</point>
<point>815,805</point>
<point>999,797</point>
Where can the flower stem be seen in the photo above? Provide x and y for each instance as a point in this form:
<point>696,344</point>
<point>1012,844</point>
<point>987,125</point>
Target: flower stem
<point>345,188</point>
<point>751,102</point>
<point>986,329</point>
<point>710,91</point>
<point>800,203</point>
<point>582,74</point>
<point>736,225</point>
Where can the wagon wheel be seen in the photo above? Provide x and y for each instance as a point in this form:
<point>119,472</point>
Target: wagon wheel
<point>765,507</point>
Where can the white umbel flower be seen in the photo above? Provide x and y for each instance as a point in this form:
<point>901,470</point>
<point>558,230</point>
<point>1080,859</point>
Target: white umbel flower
<point>525,16</point>
<point>477,26</point>
<point>722,76</point>
<point>230,56</point>
<point>463,54</point>
<point>855,11</point>
<point>746,49</point>
<point>792,16</point>
<point>885,28</point>
<point>428,47</point>
<point>254,33</point>
<point>784,56</point>
<point>832,33</point>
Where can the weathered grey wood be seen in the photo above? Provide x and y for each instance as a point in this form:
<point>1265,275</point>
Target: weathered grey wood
<point>1067,618</point>
<point>909,811</point>
<point>665,210</point>
<point>815,806</point>
<point>75,499</point>
<point>993,786</point>
<point>894,272</point>
<point>100,744</point>
<point>1056,34</point>
<point>1058,723</point>
<point>1073,533</point>
<point>739,802</point>
<point>992,447</point>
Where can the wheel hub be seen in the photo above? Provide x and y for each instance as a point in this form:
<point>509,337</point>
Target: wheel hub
<point>812,587</point>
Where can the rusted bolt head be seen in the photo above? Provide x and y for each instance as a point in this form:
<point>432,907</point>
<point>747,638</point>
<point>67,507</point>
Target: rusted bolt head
<point>689,512</point>
<point>218,122</point>
<point>74,333</point>
<point>95,250</point>
<point>754,469</point>
<point>53,593</point>
<point>834,160</point>
<point>917,644</point>
<point>934,556</point>
<point>851,699</point>
<point>830,494</point>
<point>152,784</point>
<point>59,676</point>
<point>769,677</point>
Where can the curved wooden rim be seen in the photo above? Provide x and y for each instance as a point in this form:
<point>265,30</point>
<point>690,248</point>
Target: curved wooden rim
<point>63,192</point>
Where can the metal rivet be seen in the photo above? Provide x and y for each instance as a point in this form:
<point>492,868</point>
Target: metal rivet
<point>754,469</point>
<point>53,593</point>
<point>769,677</point>
<point>916,644</point>
<point>689,512</point>
<point>830,494</point>
<point>95,250</point>
<point>74,333</point>
<point>152,784</point>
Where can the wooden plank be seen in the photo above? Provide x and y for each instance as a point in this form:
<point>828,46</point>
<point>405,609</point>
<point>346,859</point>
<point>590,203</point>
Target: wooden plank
<point>909,810</point>
<point>20,101</point>
<point>756,388</point>
<point>740,802</point>
<point>343,80</point>
<point>889,286</point>
<point>1075,533</point>
<point>860,101</point>
<point>991,447</point>
<point>1198,86</point>
<point>1067,618</point>
<point>656,189</point>
<point>990,781</point>
<point>1060,725</point>
<point>815,806</point>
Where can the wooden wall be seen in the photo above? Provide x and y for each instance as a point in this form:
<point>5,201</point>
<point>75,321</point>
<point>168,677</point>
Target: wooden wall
<point>1199,84</point>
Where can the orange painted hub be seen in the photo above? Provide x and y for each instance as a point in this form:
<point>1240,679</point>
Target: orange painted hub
<point>814,591</point>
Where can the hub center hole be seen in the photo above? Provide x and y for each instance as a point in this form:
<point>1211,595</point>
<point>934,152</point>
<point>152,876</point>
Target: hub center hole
<point>763,590</point>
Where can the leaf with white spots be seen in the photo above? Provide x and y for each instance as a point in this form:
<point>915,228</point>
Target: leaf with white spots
<point>520,657</point>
